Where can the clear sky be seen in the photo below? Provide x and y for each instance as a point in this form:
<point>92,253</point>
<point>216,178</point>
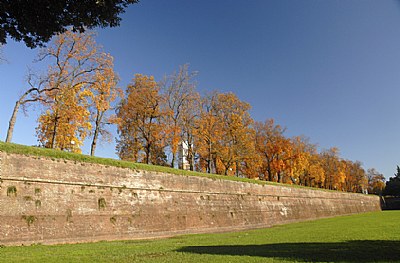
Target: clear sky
<point>329,70</point>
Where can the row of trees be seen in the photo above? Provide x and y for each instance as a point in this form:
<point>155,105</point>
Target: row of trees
<point>221,137</point>
<point>154,118</point>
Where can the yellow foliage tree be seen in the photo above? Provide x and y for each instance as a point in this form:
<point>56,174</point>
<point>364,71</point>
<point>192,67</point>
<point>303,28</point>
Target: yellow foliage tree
<point>65,123</point>
<point>237,141</point>
<point>67,89</point>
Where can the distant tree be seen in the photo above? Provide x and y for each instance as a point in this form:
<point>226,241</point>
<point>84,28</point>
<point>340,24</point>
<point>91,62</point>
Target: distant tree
<point>36,21</point>
<point>357,175</point>
<point>376,181</point>
<point>274,148</point>
<point>301,164</point>
<point>330,161</point>
<point>393,185</point>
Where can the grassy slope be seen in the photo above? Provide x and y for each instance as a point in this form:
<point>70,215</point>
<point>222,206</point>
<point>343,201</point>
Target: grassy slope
<point>372,237</point>
<point>36,151</point>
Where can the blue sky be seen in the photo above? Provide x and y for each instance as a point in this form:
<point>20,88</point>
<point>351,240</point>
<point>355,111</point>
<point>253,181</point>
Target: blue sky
<point>329,70</point>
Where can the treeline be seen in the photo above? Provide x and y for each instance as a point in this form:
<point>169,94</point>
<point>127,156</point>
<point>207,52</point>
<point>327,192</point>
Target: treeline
<point>169,123</point>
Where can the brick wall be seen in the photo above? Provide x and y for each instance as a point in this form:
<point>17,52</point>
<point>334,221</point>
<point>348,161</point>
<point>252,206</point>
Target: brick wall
<point>45,200</point>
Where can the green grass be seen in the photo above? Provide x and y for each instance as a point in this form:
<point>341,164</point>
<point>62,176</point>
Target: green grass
<point>371,237</point>
<point>57,154</point>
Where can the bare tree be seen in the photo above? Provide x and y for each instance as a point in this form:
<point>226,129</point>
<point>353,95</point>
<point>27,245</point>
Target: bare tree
<point>178,90</point>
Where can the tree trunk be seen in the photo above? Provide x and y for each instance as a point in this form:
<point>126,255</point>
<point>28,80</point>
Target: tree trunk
<point>13,119</point>
<point>191,157</point>
<point>269,170</point>
<point>53,138</point>
<point>148,147</point>
<point>96,132</point>
<point>173,160</point>
<point>226,169</point>
<point>209,157</point>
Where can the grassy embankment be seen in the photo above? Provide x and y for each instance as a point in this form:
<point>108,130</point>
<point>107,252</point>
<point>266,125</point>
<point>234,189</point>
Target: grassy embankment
<point>371,237</point>
<point>56,154</point>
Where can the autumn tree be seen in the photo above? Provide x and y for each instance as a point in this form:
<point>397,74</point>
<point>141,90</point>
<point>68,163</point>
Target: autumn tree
<point>358,176</point>
<point>67,91</point>
<point>251,166</point>
<point>178,91</point>
<point>316,173</point>
<point>208,132</point>
<point>376,181</point>
<point>65,123</point>
<point>104,93</point>
<point>236,143</point>
<point>274,148</point>
<point>36,21</point>
<point>304,166</point>
<point>330,163</point>
<point>140,131</point>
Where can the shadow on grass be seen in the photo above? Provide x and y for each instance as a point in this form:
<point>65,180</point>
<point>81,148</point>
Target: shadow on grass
<point>350,251</point>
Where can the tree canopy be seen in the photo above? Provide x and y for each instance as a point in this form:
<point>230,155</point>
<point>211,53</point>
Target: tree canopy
<point>393,185</point>
<point>36,21</point>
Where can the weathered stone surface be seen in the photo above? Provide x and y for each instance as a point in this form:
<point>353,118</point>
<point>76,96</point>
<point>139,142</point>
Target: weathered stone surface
<point>46,200</point>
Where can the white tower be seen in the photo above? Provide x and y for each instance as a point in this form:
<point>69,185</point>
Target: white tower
<point>183,156</point>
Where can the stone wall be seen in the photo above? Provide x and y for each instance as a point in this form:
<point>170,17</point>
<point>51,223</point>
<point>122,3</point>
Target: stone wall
<point>45,200</point>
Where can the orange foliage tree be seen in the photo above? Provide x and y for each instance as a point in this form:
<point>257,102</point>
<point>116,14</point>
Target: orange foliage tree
<point>140,131</point>
<point>208,133</point>
<point>274,148</point>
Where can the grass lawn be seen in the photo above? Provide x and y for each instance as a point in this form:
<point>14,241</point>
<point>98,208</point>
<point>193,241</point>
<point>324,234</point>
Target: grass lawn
<point>371,237</point>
